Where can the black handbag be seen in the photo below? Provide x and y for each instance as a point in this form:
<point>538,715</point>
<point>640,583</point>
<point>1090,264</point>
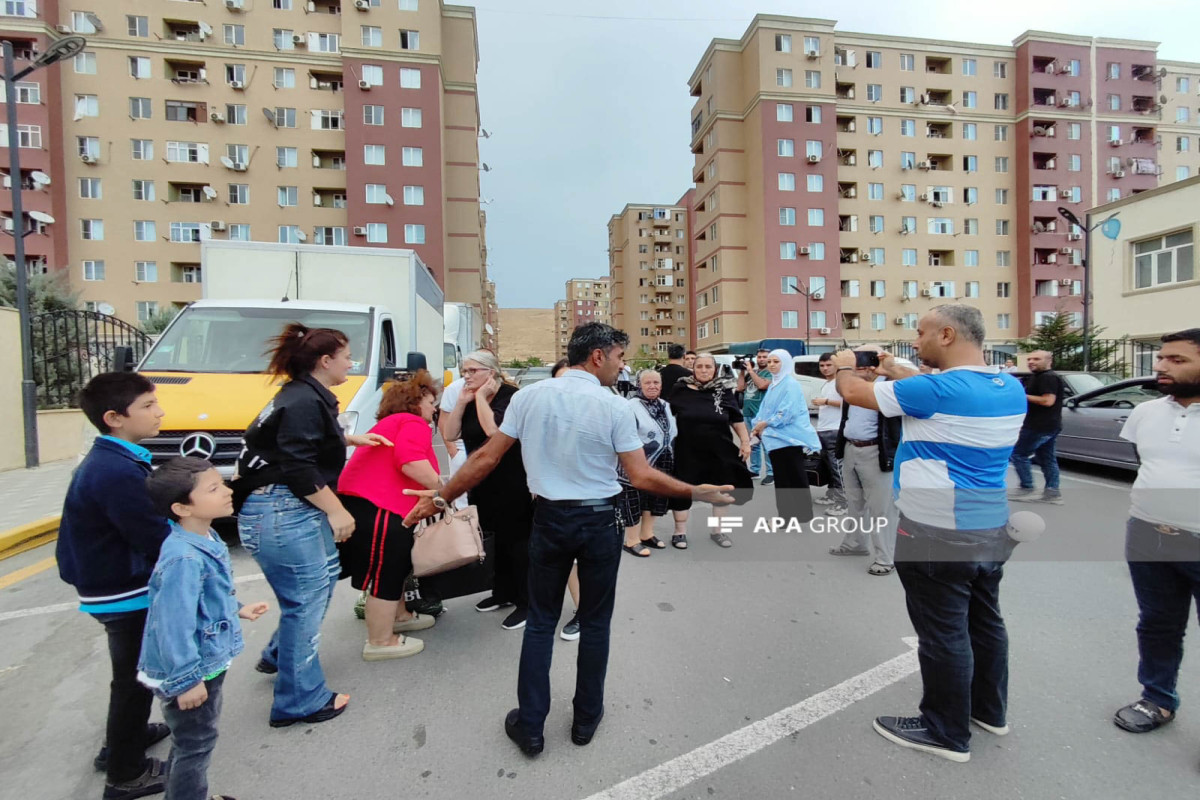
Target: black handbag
<point>473,578</point>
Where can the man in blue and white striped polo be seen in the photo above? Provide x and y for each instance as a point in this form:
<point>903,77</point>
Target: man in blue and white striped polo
<point>959,428</point>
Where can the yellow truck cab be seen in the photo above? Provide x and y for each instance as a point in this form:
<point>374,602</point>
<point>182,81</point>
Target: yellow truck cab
<point>209,364</point>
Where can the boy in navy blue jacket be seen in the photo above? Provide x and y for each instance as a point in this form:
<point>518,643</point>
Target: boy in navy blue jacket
<point>108,541</point>
<point>192,631</point>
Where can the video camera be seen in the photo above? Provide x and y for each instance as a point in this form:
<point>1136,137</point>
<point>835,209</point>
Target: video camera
<point>739,361</point>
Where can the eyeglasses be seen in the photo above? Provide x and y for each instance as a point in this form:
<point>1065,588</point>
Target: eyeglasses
<point>474,371</point>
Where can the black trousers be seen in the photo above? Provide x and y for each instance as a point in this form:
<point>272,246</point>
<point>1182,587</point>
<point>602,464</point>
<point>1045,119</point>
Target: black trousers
<point>792,497</point>
<point>510,522</point>
<point>129,702</point>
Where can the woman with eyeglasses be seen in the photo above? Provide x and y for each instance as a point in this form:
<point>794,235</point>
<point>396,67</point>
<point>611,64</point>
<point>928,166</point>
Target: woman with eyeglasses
<point>503,499</point>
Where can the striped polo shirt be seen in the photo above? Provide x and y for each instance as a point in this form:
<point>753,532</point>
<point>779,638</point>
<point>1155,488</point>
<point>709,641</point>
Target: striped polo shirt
<point>959,429</point>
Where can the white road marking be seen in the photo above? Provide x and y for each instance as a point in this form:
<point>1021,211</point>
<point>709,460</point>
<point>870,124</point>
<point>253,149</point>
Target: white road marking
<point>707,759</point>
<point>74,606</point>
<point>1105,484</point>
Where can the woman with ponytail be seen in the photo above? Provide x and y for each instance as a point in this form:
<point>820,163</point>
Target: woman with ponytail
<point>291,518</point>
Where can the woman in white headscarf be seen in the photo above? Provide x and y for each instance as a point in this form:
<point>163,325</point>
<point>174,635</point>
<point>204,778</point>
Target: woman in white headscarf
<point>787,434</point>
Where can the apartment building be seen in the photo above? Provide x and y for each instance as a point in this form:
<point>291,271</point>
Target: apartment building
<point>585,300</point>
<point>648,267</point>
<point>330,122</point>
<point>846,182</point>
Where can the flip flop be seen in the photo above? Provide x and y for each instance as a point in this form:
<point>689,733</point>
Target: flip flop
<point>655,543</point>
<point>640,550</point>
<point>679,541</point>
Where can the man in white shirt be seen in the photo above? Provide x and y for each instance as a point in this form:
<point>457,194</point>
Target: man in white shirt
<point>1162,537</point>
<point>573,431</point>
<point>829,419</point>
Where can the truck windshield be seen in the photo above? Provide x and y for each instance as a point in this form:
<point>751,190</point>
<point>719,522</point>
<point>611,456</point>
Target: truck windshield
<point>236,339</point>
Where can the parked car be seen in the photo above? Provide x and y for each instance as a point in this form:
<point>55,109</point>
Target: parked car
<point>531,375</point>
<point>1076,383</point>
<point>1092,423</point>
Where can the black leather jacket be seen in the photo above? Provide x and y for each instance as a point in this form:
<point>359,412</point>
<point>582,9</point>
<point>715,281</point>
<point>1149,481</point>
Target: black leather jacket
<point>296,440</point>
<point>889,438</point>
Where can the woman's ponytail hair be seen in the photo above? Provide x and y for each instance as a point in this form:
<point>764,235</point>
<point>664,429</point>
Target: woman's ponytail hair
<point>295,352</point>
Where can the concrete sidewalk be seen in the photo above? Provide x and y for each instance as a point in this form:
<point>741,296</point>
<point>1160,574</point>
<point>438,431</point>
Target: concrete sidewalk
<point>28,495</point>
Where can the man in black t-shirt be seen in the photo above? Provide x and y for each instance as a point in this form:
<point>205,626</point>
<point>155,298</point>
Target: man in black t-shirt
<point>1043,421</point>
<point>674,370</point>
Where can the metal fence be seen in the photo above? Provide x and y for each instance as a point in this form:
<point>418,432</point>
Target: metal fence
<point>71,347</point>
<point>909,350</point>
<point>1125,358</point>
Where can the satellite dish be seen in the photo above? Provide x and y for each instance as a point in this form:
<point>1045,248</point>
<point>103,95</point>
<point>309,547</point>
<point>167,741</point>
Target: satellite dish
<point>227,162</point>
<point>210,192</point>
<point>106,308</point>
<point>387,198</point>
<point>205,28</point>
<point>41,216</point>
<point>96,23</point>
<point>40,177</point>
<point>490,330</point>
<point>269,114</point>
<point>301,235</point>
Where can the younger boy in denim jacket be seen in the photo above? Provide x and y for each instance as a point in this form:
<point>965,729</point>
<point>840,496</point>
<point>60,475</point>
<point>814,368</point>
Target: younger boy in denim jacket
<point>192,631</point>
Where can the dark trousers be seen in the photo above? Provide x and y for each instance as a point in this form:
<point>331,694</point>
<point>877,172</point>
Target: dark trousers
<point>833,464</point>
<point>561,537</point>
<point>952,589</point>
<point>193,737</point>
<point>128,701</point>
<point>509,521</point>
<point>792,497</point>
<point>1165,569</point>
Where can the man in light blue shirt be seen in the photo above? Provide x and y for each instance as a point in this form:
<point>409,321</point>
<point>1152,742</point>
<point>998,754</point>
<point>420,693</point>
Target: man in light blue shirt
<point>573,431</point>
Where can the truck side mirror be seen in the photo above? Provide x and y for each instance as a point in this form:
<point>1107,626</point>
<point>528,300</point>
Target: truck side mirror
<point>414,362</point>
<point>123,359</point>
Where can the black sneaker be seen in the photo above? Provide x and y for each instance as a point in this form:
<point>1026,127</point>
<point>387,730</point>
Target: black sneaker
<point>152,781</point>
<point>767,481</point>
<point>265,667</point>
<point>570,631</point>
<point>911,732</point>
<point>155,733</point>
<point>516,620</point>
<point>491,603</point>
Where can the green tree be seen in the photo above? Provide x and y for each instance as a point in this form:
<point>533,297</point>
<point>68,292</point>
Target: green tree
<point>47,292</point>
<point>59,352</point>
<point>1058,336</point>
<point>519,363</point>
<point>159,321</point>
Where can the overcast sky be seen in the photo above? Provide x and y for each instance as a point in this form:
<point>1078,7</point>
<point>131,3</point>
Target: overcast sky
<point>588,106</point>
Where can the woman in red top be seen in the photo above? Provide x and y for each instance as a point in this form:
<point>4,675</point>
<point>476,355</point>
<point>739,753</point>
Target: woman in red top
<point>379,554</point>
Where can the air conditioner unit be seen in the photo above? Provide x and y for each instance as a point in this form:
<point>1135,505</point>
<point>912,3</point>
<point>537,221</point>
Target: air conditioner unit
<point>239,166</point>
<point>217,117</point>
<point>316,200</point>
<point>1039,227</point>
<point>1074,237</point>
<point>923,197</point>
<point>1050,68</point>
<point>1064,103</point>
<point>88,159</point>
<point>936,204</point>
<point>237,85</point>
<point>233,5</point>
<point>1040,131</point>
<point>812,54</point>
<point>360,231</point>
<point>898,320</point>
<point>927,293</point>
<point>922,165</point>
<point>1065,194</point>
<point>865,255</point>
<point>63,28</point>
<point>852,323</point>
<point>853,258</point>
<point>1065,282</point>
<point>1066,251</point>
<point>217,225</point>
<point>299,40</point>
<point>813,159</point>
<point>362,5</point>
<point>818,295</point>
<point>9,224</point>
<point>824,331</point>
<point>364,85</point>
<point>803,251</point>
<point>1116,142</point>
<point>1119,173</point>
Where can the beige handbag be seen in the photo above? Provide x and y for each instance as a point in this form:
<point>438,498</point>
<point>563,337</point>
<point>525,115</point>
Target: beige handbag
<point>451,541</point>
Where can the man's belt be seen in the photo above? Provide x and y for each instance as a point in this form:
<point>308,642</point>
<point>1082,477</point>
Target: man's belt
<point>863,442</point>
<point>606,502</point>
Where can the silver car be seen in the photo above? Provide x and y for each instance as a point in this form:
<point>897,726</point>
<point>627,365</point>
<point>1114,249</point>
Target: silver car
<point>1092,422</point>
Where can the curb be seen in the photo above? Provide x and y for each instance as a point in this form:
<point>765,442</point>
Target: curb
<point>26,537</point>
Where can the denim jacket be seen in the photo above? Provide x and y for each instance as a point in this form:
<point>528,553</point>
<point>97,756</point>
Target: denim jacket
<point>192,629</point>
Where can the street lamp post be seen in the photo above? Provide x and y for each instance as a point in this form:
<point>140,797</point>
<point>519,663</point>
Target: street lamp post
<point>1086,227</point>
<point>63,48</point>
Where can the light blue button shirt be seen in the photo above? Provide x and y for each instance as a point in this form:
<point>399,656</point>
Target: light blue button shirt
<point>862,423</point>
<point>571,429</point>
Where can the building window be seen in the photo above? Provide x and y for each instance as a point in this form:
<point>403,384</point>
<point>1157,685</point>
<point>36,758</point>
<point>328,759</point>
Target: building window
<point>908,257</point>
<point>86,105</point>
<point>1003,258</point>
<point>239,232</point>
<point>239,194</point>
<point>377,232</point>
<point>92,229</point>
<point>875,223</point>
<point>1114,71</point>
<point>146,309</point>
<point>1000,101</point>
<point>326,42</point>
<point>908,127</point>
<point>787,182</point>
<point>816,217</point>
<point>971,259</point>
<point>414,195</point>
<point>789,284</point>
<point>1003,321</point>
<point>969,100</point>
<point>282,38</point>
<point>787,251</point>
<point>410,117</point>
<point>1002,197</point>
<point>783,112</point>
<point>812,79</point>
<point>970,131</point>
<point>1001,163</point>
<point>783,78</point>
<point>285,78</point>
<point>377,194</point>
<point>969,67</point>
<point>816,319</point>
<point>144,230</point>
<point>372,74</point>
<point>874,125</point>
<point>812,114</point>
<point>405,5</point>
<point>783,43</point>
<point>285,157</point>
<point>812,45</point>
<point>970,163</point>
<point>999,69</point>
<point>235,114</point>
<point>1074,163</point>
<point>145,271</point>
<point>234,34</point>
<point>815,183</point>
<point>137,26</point>
<point>874,191</point>
<point>1163,260</point>
<point>329,236</point>
<point>412,157</point>
<point>1181,173</point>
<point>285,117</point>
<point>372,115</point>
<point>1074,130</point>
<point>139,107</point>
<point>93,270</point>
<point>907,62</point>
<point>375,154</point>
<point>185,231</point>
<point>85,64</point>
<point>143,190</point>
<point>787,216</point>
<point>371,36</point>
<point>410,78</point>
<point>1003,289</point>
<point>89,189</point>
<point>791,320</point>
<point>287,196</point>
<point>812,147</point>
<point>875,92</point>
<point>1183,114</point>
<point>785,148</point>
<point>414,234</point>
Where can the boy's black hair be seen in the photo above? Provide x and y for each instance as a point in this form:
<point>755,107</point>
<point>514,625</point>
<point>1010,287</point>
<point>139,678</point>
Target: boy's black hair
<point>111,391</point>
<point>173,482</point>
<point>824,357</point>
<point>675,351</point>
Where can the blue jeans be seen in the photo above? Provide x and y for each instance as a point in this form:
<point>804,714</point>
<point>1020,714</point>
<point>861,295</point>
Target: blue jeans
<point>193,737</point>
<point>1036,447</point>
<point>1165,569</point>
<point>756,459</point>
<point>293,544</point>
<point>561,537</point>
<point>952,589</point>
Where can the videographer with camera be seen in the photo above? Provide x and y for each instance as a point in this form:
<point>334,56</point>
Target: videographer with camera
<point>754,379</point>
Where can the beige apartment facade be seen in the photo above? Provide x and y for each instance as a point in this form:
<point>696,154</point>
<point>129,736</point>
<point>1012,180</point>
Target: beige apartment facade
<point>847,182</point>
<point>324,122</point>
<point>528,333</point>
<point>648,267</point>
<point>1145,281</point>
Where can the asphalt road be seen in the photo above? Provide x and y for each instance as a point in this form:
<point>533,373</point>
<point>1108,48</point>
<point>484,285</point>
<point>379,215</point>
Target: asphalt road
<point>706,644</point>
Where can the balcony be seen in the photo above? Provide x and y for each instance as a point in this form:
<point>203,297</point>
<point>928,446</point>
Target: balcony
<point>1045,160</point>
<point>848,255</point>
<point>939,161</point>
<point>697,121</point>
<point>847,223</point>
<point>941,258</point>
<point>847,158</point>
<point>185,31</point>
<point>1045,256</point>
<point>324,6</point>
<point>937,97</point>
<point>1144,135</point>
<point>847,189</point>
<point>185,72</point>
<point>1045,225</point>
<point>329,198</point>
<point>663,235</point>
<point>847,124</point>
<point>939,65</point>
<point>844,90</point>
<point>1143,72</point>
<point>1043,128</point>
<point>329,159</point>
<point>1045,65</point>
<point>326,81</point>
<point>939,130</point>
<point>189,192</point>
<point>1142,104</point>
<point>1044,97</point>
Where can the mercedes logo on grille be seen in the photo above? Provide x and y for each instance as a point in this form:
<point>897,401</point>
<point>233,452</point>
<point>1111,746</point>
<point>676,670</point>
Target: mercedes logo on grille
<point>198,445</point>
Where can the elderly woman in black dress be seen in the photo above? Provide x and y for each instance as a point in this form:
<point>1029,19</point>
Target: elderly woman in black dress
<point>657,429</point>
<point>709,419</point>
